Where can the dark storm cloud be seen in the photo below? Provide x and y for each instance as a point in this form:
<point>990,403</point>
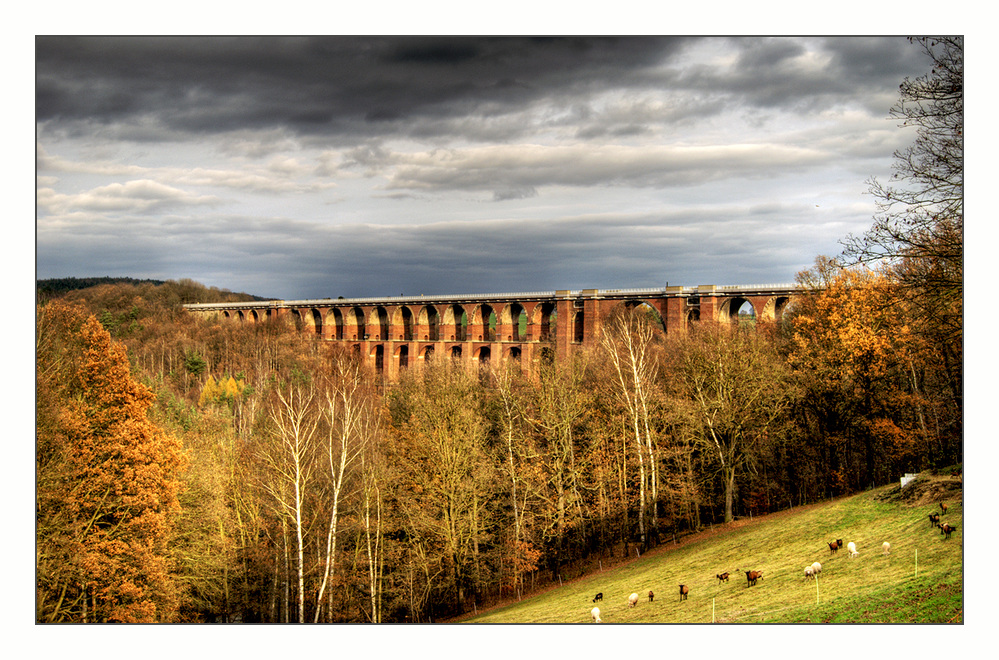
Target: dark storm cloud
<point>370,85</point>
<point>318,84</point>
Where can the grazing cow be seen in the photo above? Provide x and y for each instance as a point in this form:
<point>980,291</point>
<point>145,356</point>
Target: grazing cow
<point>722,577</point>
<point>839,543</point>
<point>599,596</point>
<point>833,547</point>
<point>934,519</point>
<point>752,577</point>
<point>946,529</point>
<point>684,590</point>
<point>652,596</point>
<point>943,508</point>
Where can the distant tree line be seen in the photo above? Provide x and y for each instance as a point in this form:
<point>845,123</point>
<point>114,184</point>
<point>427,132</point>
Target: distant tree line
<point>187,290</point>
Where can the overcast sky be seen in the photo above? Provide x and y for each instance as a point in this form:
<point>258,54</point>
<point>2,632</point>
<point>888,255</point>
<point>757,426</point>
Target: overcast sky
<point>319,167</point>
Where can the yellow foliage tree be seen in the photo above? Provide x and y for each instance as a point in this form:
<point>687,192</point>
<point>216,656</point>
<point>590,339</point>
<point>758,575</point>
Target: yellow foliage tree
<point>227,391</point>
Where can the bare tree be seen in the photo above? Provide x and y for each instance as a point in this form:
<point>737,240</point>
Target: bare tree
<point>629,341</point>
<point>558,406</point>
<point>514,430</point>
<point>372,499</point>
<point>349,419</point>
<point>735,389</point>
<point>288,457</point>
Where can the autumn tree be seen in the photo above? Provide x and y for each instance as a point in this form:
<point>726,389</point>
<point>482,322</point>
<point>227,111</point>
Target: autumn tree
<point>735,389</point>
<point>918,229</point>
<point>855,356</point>
<point>510,401</point>
<point>107,480</point>
<point>557,411</point>
<point>440,450</point>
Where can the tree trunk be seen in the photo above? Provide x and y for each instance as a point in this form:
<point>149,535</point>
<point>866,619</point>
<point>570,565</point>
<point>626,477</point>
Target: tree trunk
<point>729,475</point>
<point>287,573</point>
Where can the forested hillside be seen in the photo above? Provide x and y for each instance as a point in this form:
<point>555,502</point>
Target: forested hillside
<point>279,482</point>
<point>192,469</point>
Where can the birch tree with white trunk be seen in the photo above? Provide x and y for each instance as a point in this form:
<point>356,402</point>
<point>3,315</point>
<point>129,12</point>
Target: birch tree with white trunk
<point>348,415</point>
<point>630,341</point>
<point>287,453</point>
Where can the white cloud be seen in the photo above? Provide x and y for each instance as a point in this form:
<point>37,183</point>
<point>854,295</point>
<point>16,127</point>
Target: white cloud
<point>518,167</point>
<point>138,196</point>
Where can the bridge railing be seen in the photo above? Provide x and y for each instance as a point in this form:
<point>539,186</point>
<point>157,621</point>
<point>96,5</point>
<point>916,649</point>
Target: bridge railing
<point>395,300</point>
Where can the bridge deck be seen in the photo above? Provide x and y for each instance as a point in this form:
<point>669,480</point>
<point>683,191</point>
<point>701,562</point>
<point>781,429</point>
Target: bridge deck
<point>656,292</point>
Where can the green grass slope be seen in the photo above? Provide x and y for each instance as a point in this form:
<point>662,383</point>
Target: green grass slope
<point>921,581</point>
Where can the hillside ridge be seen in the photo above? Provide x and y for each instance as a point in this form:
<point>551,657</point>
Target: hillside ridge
<point>919,581</point>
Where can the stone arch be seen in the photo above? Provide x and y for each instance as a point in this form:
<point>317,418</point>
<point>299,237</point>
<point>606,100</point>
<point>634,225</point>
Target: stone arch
<point>405,319</point>
<point>774,308</point>
<point>578,325</point>
<point>402,354</point>
<point>483,355</point>
<point>456,352</point>
<point>729,310</point>
<point>483,323</point>
<point>427,353</point>
<point>378,358</point>
<point>354,323</point>
<point>297,320</point>
<point>514,316</point>
<point>428,324</point>
<point>644,307</point>
<point>314,320</point>
<point>455,323</point>
<point>514,354</point>
<point>338,322</point>
<point>544,317</point>
<point>253,317</point>
<point>378,323</point>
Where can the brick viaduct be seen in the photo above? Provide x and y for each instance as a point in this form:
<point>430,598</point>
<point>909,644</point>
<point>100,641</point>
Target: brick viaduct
<point>401,332</point>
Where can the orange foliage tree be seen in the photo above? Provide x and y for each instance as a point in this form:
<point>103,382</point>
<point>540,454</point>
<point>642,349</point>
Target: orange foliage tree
<point>107,480</point>
<point>854,351</point>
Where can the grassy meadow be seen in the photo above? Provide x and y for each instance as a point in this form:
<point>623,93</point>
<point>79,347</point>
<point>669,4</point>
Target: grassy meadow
<point>921,581</point>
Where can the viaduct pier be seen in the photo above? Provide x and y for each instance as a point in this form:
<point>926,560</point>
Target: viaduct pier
<point>401,332</point>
